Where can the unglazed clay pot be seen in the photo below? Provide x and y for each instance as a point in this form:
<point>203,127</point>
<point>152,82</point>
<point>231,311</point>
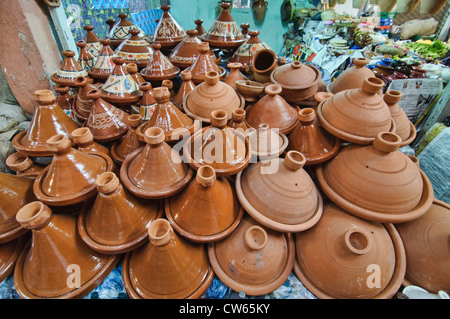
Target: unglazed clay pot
<point>48,119</point>
<point>207,210</point>
<point>342,254</point>
<point>353,77</point>
<point>133,70</point>
<point>159,66</point>
<point>227,150</point>
<point>69,70</point>
<point>17,191</point>
<point>224,32</point>
<point>298,81</point>
<point>426,245</point>
<point>253,259</point>
<point>84,141</point>
<point>238,121</point>
<point>121,31</point>
<point>104,64</point>
<point>204,64</point>
<point>212,95</point>
<point>129,143</point>
<point>357,115</point>
<point>155,170</point>
<point>106,122</point>
<point>82,104</point>
<point>85,58</point>
<point>9,252</point>
<point>266,142</point>
<point>264,62</point>
<point>93,44</point>
<point>70,177</point>
<point>167,266</point>
<point>234,75</point>
<point>23,165</point>
<point>186,86</point>
<point>168,32</point>
<point>403,126</point>
<point>199,27</point>
<point>63,97</point>
<point>274,110</point>
<point>250,90</point>
<point>115,221</point>
<point>135,49</point>
<point>56,252</point>
<point>310,139</point>
<point>175,124</point>
<point>280,194</point>
<point>359,175</point>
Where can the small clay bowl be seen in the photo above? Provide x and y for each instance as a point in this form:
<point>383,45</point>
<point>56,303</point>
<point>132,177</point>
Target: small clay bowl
<point>251,90</point>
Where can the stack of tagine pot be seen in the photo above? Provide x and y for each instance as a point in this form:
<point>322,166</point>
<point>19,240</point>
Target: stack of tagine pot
<point>219,177</point>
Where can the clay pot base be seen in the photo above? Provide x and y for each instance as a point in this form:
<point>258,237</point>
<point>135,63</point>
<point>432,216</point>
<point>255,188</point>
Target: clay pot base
<point>389,291</point>
<point>222,75</point>
<point>15,246</point>
<point>230,44</point>
<point>34,151</point>
<point>421,208</point>
<point>260,289</point>
<point>412,135</point>
<point>132,293</point>
<point>12,234</point>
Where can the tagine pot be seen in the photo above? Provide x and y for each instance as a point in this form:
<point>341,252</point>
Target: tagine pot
<point>168,31</point>
<point>186,86</point>
<point>133,70</point>
<point>104,64</point>
<point>199,27</point>
<point>266,142</point>
<point>235,74</point>
<point>403,126</point>
<point>238,121</point>
<point>82,104</point>
<point>252,91</point>
<point>204,64</point>
<point>23,165</point>
<point>9,252</point>
<point>64,98</point>
<point>84,141</point>
<point>130,142</point>
<point>159,67</point>
<point>264,62</point>
<point>353,77</point>
<point>69,70</point>
<point>85,58</point>
<point>120,31</point>
<point>93,44</point>
<point>253,259</point>
<point>135,49</point>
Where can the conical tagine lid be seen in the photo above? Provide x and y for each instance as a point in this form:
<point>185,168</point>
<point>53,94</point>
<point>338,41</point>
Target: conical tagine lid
<point>48,120</point>
<point>57,264</point>
<point>115,221</point>
<point>167,267</point>
<point>129,143</point>
<point>186,86</point>
<point>358,176</point>
<point>135,49</point>
<point>93,44</point>
<point>280,194</point>
<point>403,126</point>
<point>253,259</point>
<point>104,64</point>
<point>69,70</point>
<point>159,67</point>
<point>351,78</point>
<point>70,177</point>
<point>168,32</point>
<point>83,105</point>
<point>207,209</point>
<point>121,30</point>
<point>199,27</point>
<point>346,257</point>
<point>85,58</point>
<point>244,54</point>
<point>204,64</point>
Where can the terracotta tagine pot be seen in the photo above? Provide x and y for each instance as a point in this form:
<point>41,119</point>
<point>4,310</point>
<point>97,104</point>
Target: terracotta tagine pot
<point>168,32</point>
<point>403,126</point>
<point>298,81</point>
<point>266,142</point>
<point>342,254</point>
<point>69,70</point>
<point>17,191</point>
<point>23,165</point>
<point>357,115</point>
<point>115,221</point>
<point>9,252</point>
<point>280,194</point>
<point>253,259</point>
<point>48,119</point>
<point>121,31</point>
<point>155,170</point>
<point>235,74</point>
<point>274,110</point>
<point>93,44</point>
<point>86,59</point>
<point>252,91</point>
<point>167,266</point>
<point>264,62</point>
<point>310,139</point>
<point>63,97</point>
<point>353,77</point>
<point>204,64</point>
<point>106,122</point>
<point>359,175</point>
<point>224,32</point>
<point>133,70</point>
<point>104,64</point>
<point>159,66</point>
<point>129,143</point>
<point>199,27</point>
<point>186,86</point>
<point>169,85</point>
<point>70,177</point>
<point>135,49</point>
<point>175,124</point>
<point>426,245</point>
<point>84,141</point>
<point>120,89</point>
<point>147,104</point>
<point>83,105</point>
<point>238,121</point>
<point>207,210</point>
<point>42,270</point>
<point>227,150</point>
<point>211,95</point>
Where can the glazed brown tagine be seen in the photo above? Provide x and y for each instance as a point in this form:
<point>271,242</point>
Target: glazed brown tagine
<point>168,32</point>
<point>23,165</point>
<point>159,67</point>
<point>186,86</point>
<point>133,70</point>
<point>69,70</point>
<point>9,252</point>
<point>64,97</point>
<point>204,64</point>
<point>146,106</point>
<point>120,31</point>
<point>130,142</point>
<point>84,141</point>
<point>104,64</point>
<point>353,77</point>
<point>199,27</point>
<point>82,104</point>
<point>135,49</point>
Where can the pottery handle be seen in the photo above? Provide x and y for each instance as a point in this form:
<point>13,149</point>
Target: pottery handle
<point>294,160</point>
<point>59,144</point>
<point>272,89</point>
<point>415,160</point>
<point>306,116</point>
<point>211,78</point>
<point>238,115</point>
<point>107,182</point>
<point>372,85</point>
<point>360,62</point>
<point>357,241</point>
<point>219,118</point>
<point>255,238</point>
<point>161,94</point>
<point>154,135</point>
<point>44,97</point>
<point>186,75</point>
<point>132,68</point>
<point>18,162</point>
<point>322,96</point>
<point>34,215</point>
<point>159,232</point>
<point>134,120</point>
<point>206,176</point>
<point>387,142</point>
<point>392,97</point>
<point>82,135</point>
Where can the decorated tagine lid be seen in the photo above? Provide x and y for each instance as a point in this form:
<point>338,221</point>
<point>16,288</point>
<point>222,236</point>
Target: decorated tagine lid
<point>155,170</point>
<point>426,245</point>
<point>247,50</point>
<point>121,31</point>
<point>280,194</point>
<point>204,64</point>
<point>403,126</point>
<point>85,58</point>
<point>211,95</point>
<point>359,175</point>
<point>253,259</point>
<point>159,67</point>
<point>207,209</point>
<point>70,177</point>
<point>69,70</point>
<point>23,165</point>
<point>167,266</point>
<point>353,77</point>
<point>48,119</point>
<point>227,150</point>
<point>115,221</point>
<point>273,110</point>
<point>55,248</point>
<point>104,64</point>
<point>84,141</point>
<point>93,44</point>
<point>266,142</point>
<point>146,106</point>
<point>187,51</point>
<point>17,191</point>
<point>168,32</point>
<point>341,255</point>
<point>9,252</point>
<point>186,86</point>
<point>135,49</point>
<point>120,149</point>
<point>357,115</point>
<point>224,33</point>
<point>167,116</point>
<point>82,104</point>
<point>310,139</point>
